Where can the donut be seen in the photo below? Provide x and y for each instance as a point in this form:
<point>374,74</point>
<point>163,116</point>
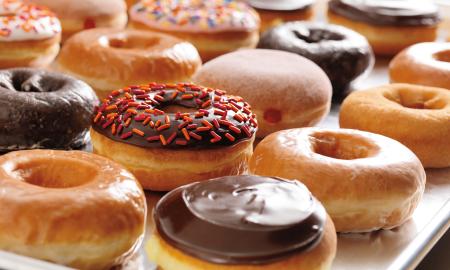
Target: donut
<point>170,135</point>
<point>365,181</point>
<point>390,26</point>
<point>41,109</point>
<point>80,15</point>
<point>424,63</point>
<point>214,27</point>
<point>242,223</point>
<point>109,59</point>
<point>29,35</point>
<point>417,116</point>
<point>61,206</point>
<point>342,53</point>
<point>273,13</point>
<point>284,89</point>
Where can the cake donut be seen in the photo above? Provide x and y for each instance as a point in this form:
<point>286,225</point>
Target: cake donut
<point>242,222</point>
<point>390,26</point>
<point>424,63</point>
<point>80,15</point>
<point>417,116</point>
<point>41,109</point>
<point>29,35</point>
<point>285,90</point>
<point>214,27</point>
<point>109,59</point>
<point>365,181</point>
<point>170,135</point>
<point>342,53</point>
<point>60,206</point>
<point>273,13</point>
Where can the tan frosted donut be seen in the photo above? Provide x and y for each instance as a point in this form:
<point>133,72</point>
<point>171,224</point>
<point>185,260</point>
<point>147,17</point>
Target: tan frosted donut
<point>424,63</point>
<point>69,207</point>
<point>365,181</point>
<point>417,116</point>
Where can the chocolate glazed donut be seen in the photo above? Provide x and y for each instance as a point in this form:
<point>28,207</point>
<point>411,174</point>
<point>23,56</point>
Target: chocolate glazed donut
<point>342,53</point>
<point>40,109</point>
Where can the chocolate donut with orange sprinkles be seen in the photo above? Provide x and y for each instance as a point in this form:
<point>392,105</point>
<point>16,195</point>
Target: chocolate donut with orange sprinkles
<point>169,135</point>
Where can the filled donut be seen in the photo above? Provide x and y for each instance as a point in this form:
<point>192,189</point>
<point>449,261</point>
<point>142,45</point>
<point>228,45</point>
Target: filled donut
<point>169,135</point>
<point>41,109</point>
<point>29,35</point>
<point>244,222</point>
<point>69,207</point>
<point>365,181</point>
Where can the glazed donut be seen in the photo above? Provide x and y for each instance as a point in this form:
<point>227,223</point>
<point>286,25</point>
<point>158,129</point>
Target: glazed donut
<point>70,207</point>
<point>80,15</point>
<point>41,109</point>
<point>109,59</point>
<point>214,27</point>
<point>417,116</point>
<point>365,181</point>
<point>274,13</point>
<point>390,26</point>
<point>203,133</point>
<point>284,89</point>
<point>342,53</point>
<point>29,35</point>
<point>242,223</point>
<point>424,63</point>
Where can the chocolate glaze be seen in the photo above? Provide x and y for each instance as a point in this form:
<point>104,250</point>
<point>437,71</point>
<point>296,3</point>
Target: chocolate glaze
<point>240,219</point>
<point>282,5</point>
<point>342,53</point>
<point>41,109</point>
<point>383,12</point>
<point>144,99</point>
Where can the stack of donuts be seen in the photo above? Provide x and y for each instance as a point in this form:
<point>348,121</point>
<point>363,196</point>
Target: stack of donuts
<point>220,105</point>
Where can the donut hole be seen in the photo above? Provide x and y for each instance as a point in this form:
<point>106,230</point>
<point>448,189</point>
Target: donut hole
<point>421,100</point>
<point>25,82</point>
<point>317,35</point>
<point>342,146</point>
<point>128,42</point>
<point>178,108</point>
<point>55,173</point>
<point>443,56</point>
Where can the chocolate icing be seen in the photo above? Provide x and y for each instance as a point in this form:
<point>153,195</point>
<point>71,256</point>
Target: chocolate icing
<point>241,219</point>
<point>383,12</point>
<point>41,109</point>
<point>342,53</point>
<point>204,131</point>
<point>282,5</point>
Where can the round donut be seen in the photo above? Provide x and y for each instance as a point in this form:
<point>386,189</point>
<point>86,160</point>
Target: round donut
<point>29,35</point>
<point>170,135</point>
<point>342,53</point>
<point>61,206</point>
<point>242,223</point>
<point>365,181</point>
<point>80,15</point>
<point>390,26</point>
<point>214,27</point>
<point>417,116</point>
<point>424,63</point>
<point>41,109</point>
<point>274,13</point>
<point>109,59</point>
<point>284,89</point>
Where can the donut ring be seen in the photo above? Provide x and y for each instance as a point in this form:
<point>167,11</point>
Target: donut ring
<point>29,35</point>
<point>417,116</point>
<point>41,109</point>
<point>60,206</point>
<point>131,124</point>
<point>365,181</point>
<point>424,63</point>
<point>109,59</point>
<point>342,53</point>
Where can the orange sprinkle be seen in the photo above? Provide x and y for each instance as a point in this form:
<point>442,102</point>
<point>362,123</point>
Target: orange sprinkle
<point>132,111</point>
<point>163,127</point>
<point>207,123</point>
<point>187,96</point>
<point>128,96</point>
<point>163,140</point>
<point>97,117</point>
<point>186,134</point>
<point>111,107</point>
<point>167,119</point>
<point>113,129</point>
<point>202,129</point>
<point>146,120</point>
<point>158,123</point>
<point>138,132</point>
<point>175,94</point>
<point>230,137</point>
<point>127,123</point>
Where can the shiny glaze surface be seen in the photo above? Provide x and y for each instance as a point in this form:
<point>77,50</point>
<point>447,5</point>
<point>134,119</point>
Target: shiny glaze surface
<point>282,5</point>
<point>241,219</point>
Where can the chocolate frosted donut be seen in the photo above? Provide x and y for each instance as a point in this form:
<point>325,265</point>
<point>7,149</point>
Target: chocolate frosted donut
<point>241,219</point>
<point>40,109</point>
<point>342,53</point>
